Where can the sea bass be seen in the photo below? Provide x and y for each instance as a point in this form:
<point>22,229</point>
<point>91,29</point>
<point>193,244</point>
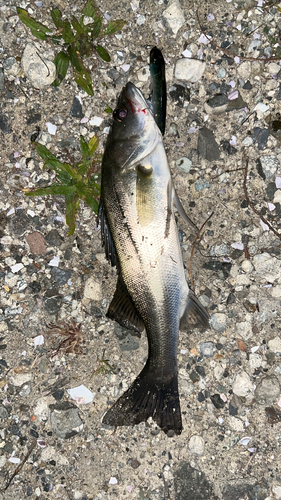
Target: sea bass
<point>140,236</point>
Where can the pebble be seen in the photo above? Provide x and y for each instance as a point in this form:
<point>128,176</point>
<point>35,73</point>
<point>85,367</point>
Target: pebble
<point>36,243</point>
<point>11,66</point>
<point>207,145</point>
<point>93,290</point>
<point>201,184</point>
<point>242,385</point>
<point>267,391</point>
<point>54,238</point>
<point>2,82</point>
<point>65,420</point>
<point>196,445</point>
<point>275,345</point>
<point>53,305</point>
<point>273,68</point>
<point>173,16</point>
<point>216,104</point>
<point>179,94</point>
<point>218,322</point>
<point>207,349</point>
<point>269,165</point>
<point>191,483</point>
<point>61,276</point>
<point>5,124</point>
<point>189,70</point>
<point>143,74</point>
<point>39,71</point>
<point>20,223</point>
<point>184,164</point>
<point>267,267</point>
<point>18,379</point>
<point>221,73</point>
<point>260,135</point>
<point>244,70</point>
<point>76,108</point>
<point>256,361</point>
<point>244,330</point>
<point>219,250</point>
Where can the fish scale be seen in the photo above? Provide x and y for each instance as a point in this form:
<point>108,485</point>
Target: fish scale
<point>137,215</point>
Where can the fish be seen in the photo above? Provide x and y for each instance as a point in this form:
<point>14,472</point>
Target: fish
<point>140,237</point>
<point>158,96</point>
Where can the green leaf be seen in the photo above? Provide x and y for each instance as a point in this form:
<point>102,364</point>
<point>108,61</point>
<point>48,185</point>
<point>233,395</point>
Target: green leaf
<point>93,144</point>
<point>96,27</point>
<point>61,61</point>
<point>56,16</point>
<point>44,152</point>
<point>266,29</point>
<point>72,207</point>
<point>67,32</point>
<point>102,52</point>
<point>113,26</point>
<point>55,189</point>
<point>84,80</point>
<point>108,109</point>
<point>85,150</point>
<point>77,26</point>
<point>37,29</point>
<point>90,9</point>
<point>75,59</point>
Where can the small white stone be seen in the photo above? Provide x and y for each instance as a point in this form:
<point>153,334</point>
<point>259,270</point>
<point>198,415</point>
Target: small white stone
<point>276,292</point>
<point>17,267</point>
<point>51,128</point>
<point>244,330</point>
<point>242,385</point>
<point>96,121</point>
<point>190,70</point>
<point>273,68</point>
<point>93,290</point>
<point>269,268</point>
<point>255,361</point>
<point>196,445</point>
<point>247,266</point>
<point>174,16</point>
<point>113,480</point>
<point>235,423</point>
<point>275,345</point>
<point>242,279</point>
<point>19,379</point>
<point>143,74</point>
<point>39,71</point>
<point>218,322</point>
<point>277,196</point>
<point>276,490</point>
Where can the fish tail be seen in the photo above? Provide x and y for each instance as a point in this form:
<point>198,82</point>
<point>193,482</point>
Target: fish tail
<point>148,397</point>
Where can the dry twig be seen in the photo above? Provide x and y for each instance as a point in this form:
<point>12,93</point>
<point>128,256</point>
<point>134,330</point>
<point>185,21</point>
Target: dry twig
<point>265,221</point>
<point>19,467</point>
<point>193,248</point>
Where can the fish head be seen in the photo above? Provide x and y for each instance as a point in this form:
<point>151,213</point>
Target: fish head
<point>134,133</point>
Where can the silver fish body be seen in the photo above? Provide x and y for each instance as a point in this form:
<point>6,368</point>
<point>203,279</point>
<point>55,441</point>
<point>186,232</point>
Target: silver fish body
<point>141,236</point>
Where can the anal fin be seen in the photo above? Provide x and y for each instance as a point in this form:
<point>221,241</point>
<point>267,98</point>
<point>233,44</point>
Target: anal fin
<point>195,315</point>
<point>122,309</point>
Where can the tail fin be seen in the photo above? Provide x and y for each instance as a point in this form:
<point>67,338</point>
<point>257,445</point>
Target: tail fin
<point>148,397</point>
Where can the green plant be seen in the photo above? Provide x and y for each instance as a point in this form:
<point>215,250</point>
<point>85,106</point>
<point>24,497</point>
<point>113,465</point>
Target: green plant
<point>104,366</point>
<point>76,182</point>
<point>78,39</point>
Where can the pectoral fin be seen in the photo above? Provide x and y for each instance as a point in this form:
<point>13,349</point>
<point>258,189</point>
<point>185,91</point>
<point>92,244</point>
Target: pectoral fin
<point>122,309</point>
<point>195,315</point>
<point>182,212</point>
<point>107,239</point>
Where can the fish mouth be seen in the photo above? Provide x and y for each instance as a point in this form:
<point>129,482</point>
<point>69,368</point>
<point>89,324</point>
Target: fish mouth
<point>135,99</point>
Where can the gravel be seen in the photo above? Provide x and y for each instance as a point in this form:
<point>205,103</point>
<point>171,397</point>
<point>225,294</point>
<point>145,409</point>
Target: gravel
<point>222,110</point>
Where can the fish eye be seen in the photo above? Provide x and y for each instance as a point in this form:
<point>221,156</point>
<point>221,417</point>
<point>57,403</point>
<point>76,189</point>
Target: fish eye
<point>119,114</point>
